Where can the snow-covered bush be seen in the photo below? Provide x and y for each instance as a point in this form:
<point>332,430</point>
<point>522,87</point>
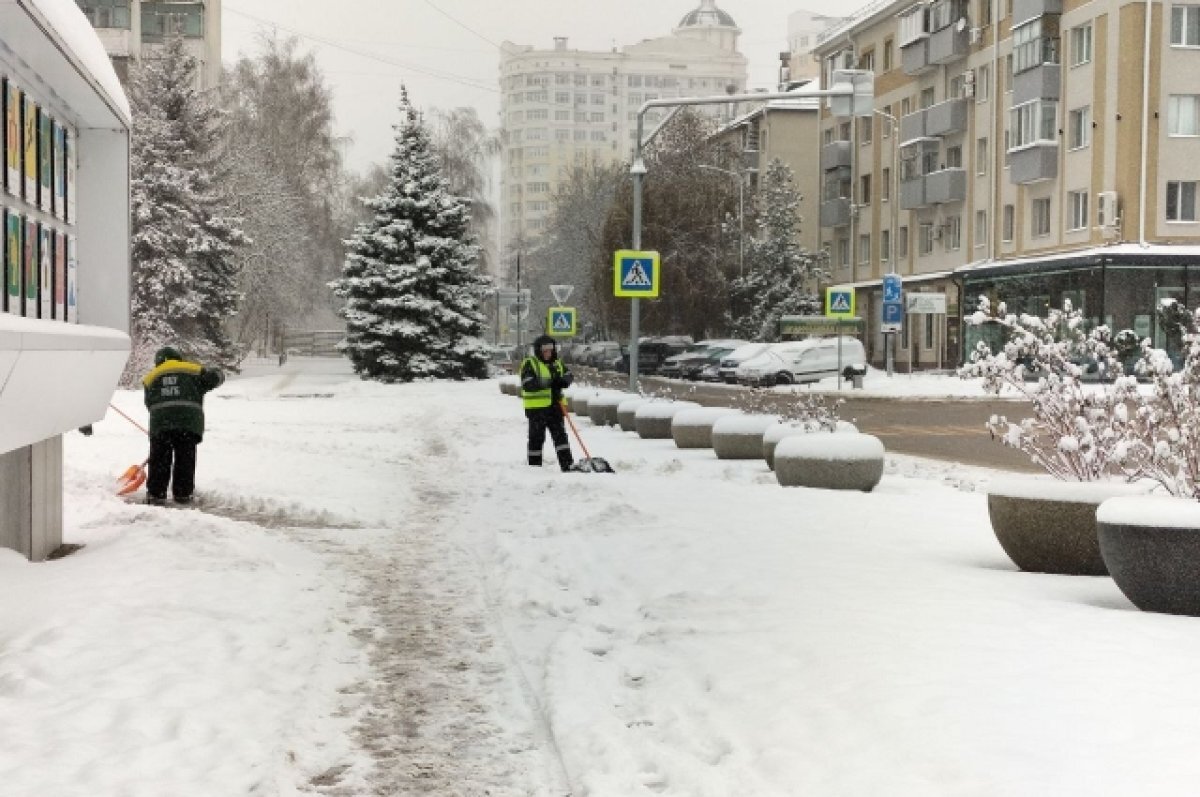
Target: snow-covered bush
<point>1076,432</point>
<point>812,411</point>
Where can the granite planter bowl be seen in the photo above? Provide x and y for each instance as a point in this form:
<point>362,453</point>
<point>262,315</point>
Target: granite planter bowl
<point>627,413</point>
<point>510,387</point>
<point>654,418</point>
<point>740,436</point>
<point>578,402</point>
<point>1047,525</point>
<point>782,429</point>
<point>1151,546</point>
<point>603,408</point>
<point>693,428</point>
<point>842,461</point>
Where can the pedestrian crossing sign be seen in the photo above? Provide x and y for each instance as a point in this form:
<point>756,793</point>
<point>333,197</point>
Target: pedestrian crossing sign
<point>560,322</point>
<point>636,274</point>
<point>839,302</point>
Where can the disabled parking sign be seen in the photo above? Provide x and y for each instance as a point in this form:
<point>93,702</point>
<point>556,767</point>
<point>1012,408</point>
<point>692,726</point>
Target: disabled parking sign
<point>839,302</point>
<point>636,274</point>
<point>560,322</point>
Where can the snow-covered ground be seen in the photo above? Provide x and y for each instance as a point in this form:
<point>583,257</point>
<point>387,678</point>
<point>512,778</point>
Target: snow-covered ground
<point>379,598</point>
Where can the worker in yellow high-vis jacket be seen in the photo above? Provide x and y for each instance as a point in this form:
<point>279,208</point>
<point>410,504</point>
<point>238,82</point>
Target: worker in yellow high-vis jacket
<point>543,379</point>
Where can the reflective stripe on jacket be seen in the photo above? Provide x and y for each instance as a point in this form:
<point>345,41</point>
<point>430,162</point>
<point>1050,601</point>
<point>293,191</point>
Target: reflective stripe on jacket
<point>535,382</point>
<point>174,394</point>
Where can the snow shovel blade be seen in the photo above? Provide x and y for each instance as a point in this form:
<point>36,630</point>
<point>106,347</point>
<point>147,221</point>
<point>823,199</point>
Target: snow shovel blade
<point>592,465</point>
<point>132,479</point>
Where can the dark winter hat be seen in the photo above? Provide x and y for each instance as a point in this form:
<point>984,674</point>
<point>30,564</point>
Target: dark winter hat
<point>166,353</point>
<point>542,340</point>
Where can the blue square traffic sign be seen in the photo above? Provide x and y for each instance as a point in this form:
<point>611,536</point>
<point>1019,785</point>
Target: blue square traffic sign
<point>636,274</point>
<point>891,287</point>
<point>893,313</point>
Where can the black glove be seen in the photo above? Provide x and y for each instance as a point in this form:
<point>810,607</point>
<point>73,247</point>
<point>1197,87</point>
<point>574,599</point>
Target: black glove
<point>566,379</point>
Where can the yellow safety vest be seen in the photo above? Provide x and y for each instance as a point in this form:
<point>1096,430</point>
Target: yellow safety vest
<point>540,397</point>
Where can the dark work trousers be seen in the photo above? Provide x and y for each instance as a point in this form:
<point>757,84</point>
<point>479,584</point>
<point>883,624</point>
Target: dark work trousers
<point>178,448</point>
<point>543,420</point>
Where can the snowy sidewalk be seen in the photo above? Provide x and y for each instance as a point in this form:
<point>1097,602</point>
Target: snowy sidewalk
<point>423,614</point>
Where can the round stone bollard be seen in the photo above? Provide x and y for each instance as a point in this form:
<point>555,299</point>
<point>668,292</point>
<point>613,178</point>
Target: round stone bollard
<point>627,413</point>
<point>774,434</point>
<point>843,461</point>
<point>694,428</point>
<point>579,402</point>
<point>653,418</point>
<point>740,436</point>
<point>603,409</point>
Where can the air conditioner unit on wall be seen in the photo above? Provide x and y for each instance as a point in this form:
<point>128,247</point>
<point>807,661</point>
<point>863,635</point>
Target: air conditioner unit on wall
<point>976,35</point>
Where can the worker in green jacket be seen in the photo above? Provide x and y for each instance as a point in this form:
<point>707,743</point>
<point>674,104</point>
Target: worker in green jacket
<point>174,393</point>
<point>543,379</point>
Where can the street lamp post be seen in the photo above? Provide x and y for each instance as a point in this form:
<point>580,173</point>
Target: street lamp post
<point>741,184</point>
<point>846,94</point>
<point>890,337</point>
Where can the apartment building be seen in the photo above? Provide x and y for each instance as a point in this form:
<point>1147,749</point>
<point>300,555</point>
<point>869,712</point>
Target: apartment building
<point>562,107</point>
<point>1031,151</point>
<point>131,29</point>
<point>804,30</point>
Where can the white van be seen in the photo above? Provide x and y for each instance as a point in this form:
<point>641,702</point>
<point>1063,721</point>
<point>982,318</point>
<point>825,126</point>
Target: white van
<point>802,361</point>
<point>731,361</point>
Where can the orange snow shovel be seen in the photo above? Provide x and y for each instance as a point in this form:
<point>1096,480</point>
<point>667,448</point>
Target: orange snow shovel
<point>135,475</point>
<point>588,464</point>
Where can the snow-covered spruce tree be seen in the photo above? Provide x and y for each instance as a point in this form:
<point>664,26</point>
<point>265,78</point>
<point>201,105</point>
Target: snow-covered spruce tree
<point>1076,433</point>
<point>183,248</point>
<point>411,281</point>
<point>781,279</point>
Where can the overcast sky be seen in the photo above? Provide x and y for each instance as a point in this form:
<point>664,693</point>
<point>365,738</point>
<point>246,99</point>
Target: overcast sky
<point>446,51</point>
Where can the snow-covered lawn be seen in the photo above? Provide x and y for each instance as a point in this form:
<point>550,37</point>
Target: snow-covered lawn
<point>414,611</point>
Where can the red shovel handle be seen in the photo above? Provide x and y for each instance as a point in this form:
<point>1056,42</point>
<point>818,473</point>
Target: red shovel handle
<point>567,415</point>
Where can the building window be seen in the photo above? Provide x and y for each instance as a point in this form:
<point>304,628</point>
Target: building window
<point>983,83</point>
<point>1008,73</point>
<point>843,252</point>
<point>887,55</point>
<point>953,233</point>
<point>1181,200</point>
<point>827,135</point>
<point>927,97</point>
<point>562,135</point>
<point>1008,223</point>
<point>1031,48</point>
<point>981,156</point>
<point>866,129</point>
<point>885,246</point>
<point>929,318</point>
<point>867,61</point>
<point>1040,217</point>
<point>954,157</point>
<point>902,242</point>
<point>985,12</point>
<point>914,25</point>
<point>885,185</point>
<point>107,13</point>
<point>160,20</point>
<point>1183,115</point>
<point>1081,44</point>
<point>864,190</point>
<point>1079,210</point>
<point>925,239</point>
<point>1079,127</point>
<point>1185,26</point>
<point>1033,122</point>
<point>864,248</point>
<point>981,228</point>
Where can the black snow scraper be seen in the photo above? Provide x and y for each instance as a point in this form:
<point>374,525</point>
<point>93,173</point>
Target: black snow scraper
<point>588,464</point>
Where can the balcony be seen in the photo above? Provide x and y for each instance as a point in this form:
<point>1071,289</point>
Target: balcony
<point>912,194</point>
<point>1025,10</point>
<point>914,57</point>
<point>946,185</point>
<point>1040,83</point>
<point>912,126</point>
<point>835,155</point>
<point>1033,163</point>
<point>750,159</point>
<point>946,118</point>
<point>835,212</point>
<point>949,44</point>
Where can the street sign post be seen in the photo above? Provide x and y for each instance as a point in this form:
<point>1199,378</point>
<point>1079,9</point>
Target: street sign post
<point>893,317</point>
<point>636,275</point>
<point>561,322</point>
<point>839,302</point>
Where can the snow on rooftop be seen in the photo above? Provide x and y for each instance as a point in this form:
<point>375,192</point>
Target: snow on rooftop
<point>66,19</point>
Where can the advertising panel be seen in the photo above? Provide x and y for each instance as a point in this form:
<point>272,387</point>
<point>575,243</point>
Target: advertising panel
<point>29,119</point>
<point>12,138</point>
<point>60,171</point>
<point>45,162</point>
<point>30,268</point>
<point>12,262</point>
<point>72,303</point>
<point>45,272</point>
<point>60,276</point>
<point>70,147</point>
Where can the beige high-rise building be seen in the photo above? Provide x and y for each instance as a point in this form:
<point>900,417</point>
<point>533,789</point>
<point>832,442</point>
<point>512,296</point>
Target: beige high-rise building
<point>562,107</point>
<point>805,31</point>
<point>131,29</point>
<point>1047,150</point>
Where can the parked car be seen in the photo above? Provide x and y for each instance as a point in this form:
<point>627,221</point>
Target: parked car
<point>804,361</point>
<point>653,352</point>
<point>727,371</point>
<point>673,367</point>
<point>601,352</point>
<point>693,367</point>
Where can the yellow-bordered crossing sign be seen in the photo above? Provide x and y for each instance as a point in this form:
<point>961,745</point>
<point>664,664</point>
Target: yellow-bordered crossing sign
<point>561,322</point>
<point>636,275</point>
<point>839,302</point>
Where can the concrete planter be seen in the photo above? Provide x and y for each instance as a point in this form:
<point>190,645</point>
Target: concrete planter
<point>603,409</point>
<point>627,413</point>
<point>693,428</point>
<point>1049,526</point>
<point>778,431</point>
<point>848,461</point>
<point>653,419</point>
<point>740,436</point>
<point>1151,546</point>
